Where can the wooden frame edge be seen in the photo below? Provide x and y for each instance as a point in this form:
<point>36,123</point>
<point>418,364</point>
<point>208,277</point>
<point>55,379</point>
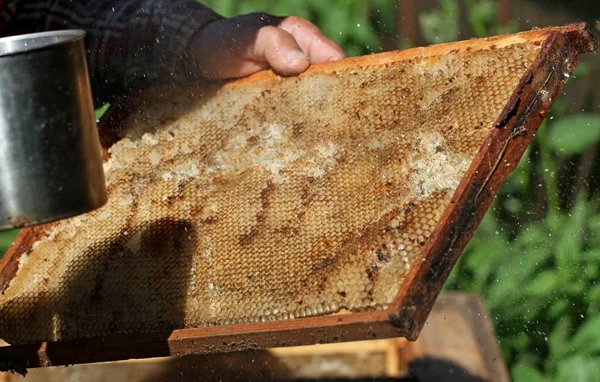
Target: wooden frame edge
<point>503,148</point>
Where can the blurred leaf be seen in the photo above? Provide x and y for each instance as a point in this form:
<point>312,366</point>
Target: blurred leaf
<point>587,338</point>
<point>534,235</point>
<point>557,309</point>
<point>441,25</point>
<point>6,239</point>
<point>593,295</point>
<point>572,134</point>
<point>514,272</point>
<point>582,69</point>
<point>579,368</point>
<point>558,108</point>
<point>100,112</point>
<point>593,235</point>
<point>383,11</point>
<point>544,284</point>
<point>508,28</point>
<point>558,341</point>
<point>482,14</point>
<point>513,205</point>
<point>568,251</point>
<point>526,372</point>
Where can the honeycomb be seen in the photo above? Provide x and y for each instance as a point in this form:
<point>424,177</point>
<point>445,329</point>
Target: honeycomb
<point>266,200</point>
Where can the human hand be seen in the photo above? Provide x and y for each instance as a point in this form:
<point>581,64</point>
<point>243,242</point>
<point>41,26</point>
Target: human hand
<point>243,45</point>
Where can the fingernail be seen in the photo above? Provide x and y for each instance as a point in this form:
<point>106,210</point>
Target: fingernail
<point>295,56</point>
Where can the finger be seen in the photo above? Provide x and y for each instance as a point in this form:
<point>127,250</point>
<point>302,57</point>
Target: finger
<point>312,41</point>
<point>280,50</point>
<point>227,63</point>
<point>222,48</point>
<point>243,45</point>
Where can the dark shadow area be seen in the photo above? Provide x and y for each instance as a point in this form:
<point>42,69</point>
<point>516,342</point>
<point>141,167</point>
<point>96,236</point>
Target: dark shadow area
<point>435,369</point>
<point>136,282</point>
<point>264,366</point>
<point>133,282</point>
<point>240,366</point>
<point>588,10</point>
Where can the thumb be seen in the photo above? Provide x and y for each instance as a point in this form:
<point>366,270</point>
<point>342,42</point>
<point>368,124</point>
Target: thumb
<point>280,50</point>
<point>243,45</point>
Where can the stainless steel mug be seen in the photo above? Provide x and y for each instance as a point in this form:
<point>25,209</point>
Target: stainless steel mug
<point>50,161</point>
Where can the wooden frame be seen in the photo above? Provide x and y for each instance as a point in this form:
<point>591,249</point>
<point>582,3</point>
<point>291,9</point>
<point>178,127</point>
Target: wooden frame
<point>461,316</point>
<point>497,157</point>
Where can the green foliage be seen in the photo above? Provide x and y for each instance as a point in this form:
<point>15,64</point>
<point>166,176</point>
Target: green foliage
<point>537,287</point>
<point>441,25</point>
<point>100,112</point>
<point>6,238</point>
<point>539,277</point>
<point>572,134</point>
<point>481,16</point>
<point>444,23</point>
<point>536,263</point>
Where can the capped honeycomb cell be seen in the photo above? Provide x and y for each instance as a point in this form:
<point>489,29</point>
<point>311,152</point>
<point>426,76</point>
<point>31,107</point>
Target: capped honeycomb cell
<point>275,211</point>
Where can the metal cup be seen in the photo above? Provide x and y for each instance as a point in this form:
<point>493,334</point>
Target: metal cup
<point>50,161</point>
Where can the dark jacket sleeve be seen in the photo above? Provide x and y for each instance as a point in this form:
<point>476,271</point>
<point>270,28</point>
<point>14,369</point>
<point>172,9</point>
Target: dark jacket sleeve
<point>130,44</point>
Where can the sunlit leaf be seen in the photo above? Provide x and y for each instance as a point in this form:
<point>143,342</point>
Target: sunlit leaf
<point>579,368</point>
<point>557,309</point>
<point>100,112</point>
<point>526,372</point>
<point>544,284</point>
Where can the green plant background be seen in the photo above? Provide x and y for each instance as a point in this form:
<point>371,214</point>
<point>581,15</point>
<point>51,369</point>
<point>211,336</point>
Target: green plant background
<point>535,259</point>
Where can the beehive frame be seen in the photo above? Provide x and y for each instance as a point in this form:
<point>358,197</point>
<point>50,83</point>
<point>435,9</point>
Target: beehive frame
<point>497,157</point>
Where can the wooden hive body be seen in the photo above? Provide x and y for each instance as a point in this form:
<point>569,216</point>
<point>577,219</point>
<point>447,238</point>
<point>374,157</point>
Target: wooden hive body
<point>276,211</point>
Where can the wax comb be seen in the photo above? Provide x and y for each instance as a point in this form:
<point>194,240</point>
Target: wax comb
<point>274,211</point>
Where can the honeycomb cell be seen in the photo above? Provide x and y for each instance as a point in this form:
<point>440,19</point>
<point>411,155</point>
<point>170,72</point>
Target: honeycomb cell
<point>275,200</point>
